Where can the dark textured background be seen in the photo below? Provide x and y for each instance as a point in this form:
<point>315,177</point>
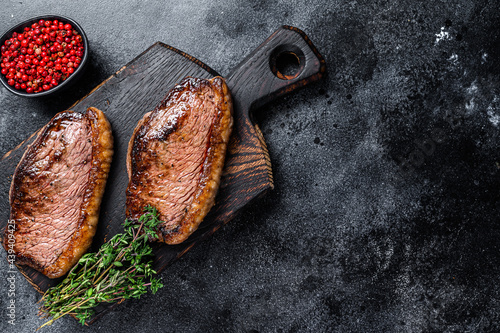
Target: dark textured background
<point>385,213</point>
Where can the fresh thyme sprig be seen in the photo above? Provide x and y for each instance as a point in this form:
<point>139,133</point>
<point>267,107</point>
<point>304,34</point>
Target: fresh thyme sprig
<point>121,269</point>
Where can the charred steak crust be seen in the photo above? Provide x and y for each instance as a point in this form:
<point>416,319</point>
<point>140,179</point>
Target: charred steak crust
<point>56,191</point>
<point>176,156</point>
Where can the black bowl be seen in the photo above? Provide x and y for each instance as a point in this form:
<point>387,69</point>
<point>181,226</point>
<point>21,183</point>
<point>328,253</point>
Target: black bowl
<point>64,84</point>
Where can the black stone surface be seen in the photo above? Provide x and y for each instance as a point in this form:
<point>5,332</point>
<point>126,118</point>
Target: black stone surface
<point>385,213</point>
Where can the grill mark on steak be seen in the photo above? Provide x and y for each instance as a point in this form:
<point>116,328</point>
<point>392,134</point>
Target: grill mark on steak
<point>56,191</point>
<point>176,156</point>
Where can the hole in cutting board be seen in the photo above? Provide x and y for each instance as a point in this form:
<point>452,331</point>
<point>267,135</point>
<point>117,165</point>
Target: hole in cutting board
<point>287,61</point>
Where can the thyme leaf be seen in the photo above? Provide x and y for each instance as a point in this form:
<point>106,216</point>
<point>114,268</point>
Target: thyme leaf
<point>121,269</point>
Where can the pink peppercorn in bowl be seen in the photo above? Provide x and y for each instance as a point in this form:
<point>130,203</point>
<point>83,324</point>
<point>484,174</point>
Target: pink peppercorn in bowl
<point>42,56</point>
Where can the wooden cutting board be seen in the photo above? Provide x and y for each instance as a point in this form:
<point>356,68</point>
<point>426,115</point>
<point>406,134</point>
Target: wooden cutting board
<point>141,84</point>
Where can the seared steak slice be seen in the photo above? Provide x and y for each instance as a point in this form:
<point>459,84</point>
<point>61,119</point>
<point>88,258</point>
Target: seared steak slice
<point>56,191</point>
<point>176,155</point>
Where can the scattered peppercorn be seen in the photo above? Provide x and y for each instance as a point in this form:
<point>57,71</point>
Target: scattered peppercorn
<point>41,56</point>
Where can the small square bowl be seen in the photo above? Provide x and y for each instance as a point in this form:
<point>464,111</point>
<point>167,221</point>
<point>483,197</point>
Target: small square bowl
<point>71,78</point>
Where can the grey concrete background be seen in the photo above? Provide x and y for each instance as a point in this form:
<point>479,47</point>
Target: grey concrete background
<point>385,213</point>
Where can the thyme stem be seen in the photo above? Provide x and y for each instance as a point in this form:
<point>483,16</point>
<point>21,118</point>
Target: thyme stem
<point>121,269</point>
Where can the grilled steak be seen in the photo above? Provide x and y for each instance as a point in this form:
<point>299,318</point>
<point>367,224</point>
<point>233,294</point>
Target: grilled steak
<point>56,191</point>
<point>176,155</point>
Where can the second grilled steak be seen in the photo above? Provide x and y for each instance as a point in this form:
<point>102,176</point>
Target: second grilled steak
<point>176,156</point>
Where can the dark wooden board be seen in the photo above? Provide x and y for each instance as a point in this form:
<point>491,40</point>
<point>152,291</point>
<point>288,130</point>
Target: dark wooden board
<point>140,85</point>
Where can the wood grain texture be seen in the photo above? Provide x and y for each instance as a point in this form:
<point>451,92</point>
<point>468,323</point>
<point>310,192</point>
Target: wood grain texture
<point>139,86</point>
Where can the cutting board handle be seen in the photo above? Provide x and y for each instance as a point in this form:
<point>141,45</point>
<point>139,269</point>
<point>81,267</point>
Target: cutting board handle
<point>261,77</point>
<point>286,61</point>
